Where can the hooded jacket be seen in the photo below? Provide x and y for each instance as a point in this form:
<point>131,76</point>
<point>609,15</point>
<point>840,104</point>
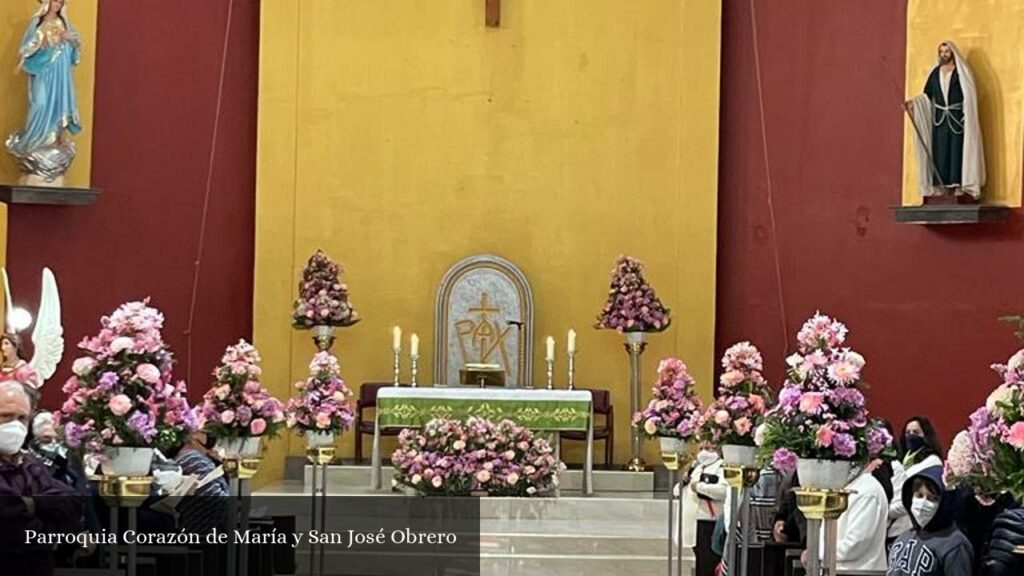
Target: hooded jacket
<point>1007,533</point>
<point>937,549</point>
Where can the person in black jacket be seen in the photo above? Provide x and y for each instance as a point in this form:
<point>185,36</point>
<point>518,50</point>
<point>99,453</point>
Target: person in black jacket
<point>976,514</point>
<point>1007,533</point>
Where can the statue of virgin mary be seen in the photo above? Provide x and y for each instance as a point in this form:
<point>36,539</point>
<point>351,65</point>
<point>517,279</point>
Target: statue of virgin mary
<point>49,51</point>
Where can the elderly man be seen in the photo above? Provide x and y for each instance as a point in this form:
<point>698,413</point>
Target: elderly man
<point>30,498</point>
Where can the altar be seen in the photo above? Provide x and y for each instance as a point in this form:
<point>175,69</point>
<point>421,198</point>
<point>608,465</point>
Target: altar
<point>540,410</point>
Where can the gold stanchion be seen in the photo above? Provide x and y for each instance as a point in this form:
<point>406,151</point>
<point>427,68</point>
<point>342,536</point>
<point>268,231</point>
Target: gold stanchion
<point>319,455</point>
<point>676,459</point>
<point>1019,550</point>
<point>739,479</point>
<point>822,508</point>
<point>635,346</point>
<point>128,492</point>
<point>239,470</point>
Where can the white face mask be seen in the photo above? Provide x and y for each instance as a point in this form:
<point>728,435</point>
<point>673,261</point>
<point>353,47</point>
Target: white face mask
<point>12,436</point>
<point>923,510</point>
<point>705,457</point>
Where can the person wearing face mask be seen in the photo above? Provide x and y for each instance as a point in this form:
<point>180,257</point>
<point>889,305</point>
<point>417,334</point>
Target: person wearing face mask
<point>704,495</point>
<point>919,449</point>
<point>934,547</point>
<point>30,497</point>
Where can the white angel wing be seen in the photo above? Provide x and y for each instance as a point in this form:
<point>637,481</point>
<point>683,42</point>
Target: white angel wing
<point>48,336</point>
<point>8,303</point>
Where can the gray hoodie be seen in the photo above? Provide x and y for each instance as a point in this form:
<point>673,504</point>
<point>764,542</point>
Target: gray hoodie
<point>938,549</point>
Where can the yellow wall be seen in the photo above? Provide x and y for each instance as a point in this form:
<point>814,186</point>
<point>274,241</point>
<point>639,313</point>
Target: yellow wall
<point>402,136</point>
<point>14,17</point>
<point>989,33</point>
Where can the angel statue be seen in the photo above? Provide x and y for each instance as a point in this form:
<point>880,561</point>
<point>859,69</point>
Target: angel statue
<point>49,49</point>
<point>47,337</point>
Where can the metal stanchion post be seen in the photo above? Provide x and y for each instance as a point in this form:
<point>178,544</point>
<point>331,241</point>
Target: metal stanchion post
<point>822,509</point>
<point>739,477</point>
<point>679,525</point>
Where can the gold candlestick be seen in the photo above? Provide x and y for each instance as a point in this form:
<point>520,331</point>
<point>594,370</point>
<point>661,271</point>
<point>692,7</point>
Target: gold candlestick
<point>572,370</point>
<point>414,359</point>
<point>398,366</point>
<point>551,373</point>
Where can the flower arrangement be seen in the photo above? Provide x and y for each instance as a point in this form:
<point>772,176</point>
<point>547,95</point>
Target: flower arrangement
<point>742,398</point>
<point>675,410</point>
<point>632,305</point>
<point>122,392</point>
<point>821,413</point>
<point>237,405</point>
<point>323,404</point>
<point>989,455</point>
<point>323,297</point>
<point>451,457</point>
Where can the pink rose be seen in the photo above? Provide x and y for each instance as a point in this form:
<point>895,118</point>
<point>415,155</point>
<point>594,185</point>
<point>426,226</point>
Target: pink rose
<point>258,426</point>
<point>743,425</point>
<point>721,417</point>
<point>824,436</point>
<point>120,344</point>
<point>227,416</point>
<point>1015,436</point>
<point>323,420</point>
<point>148,373</point>
<point>811,401</point>
<point>731,378</point>
<point>120,404</point>
<point>483,476</point>
<point>83,366</point>
<point>757,402</point>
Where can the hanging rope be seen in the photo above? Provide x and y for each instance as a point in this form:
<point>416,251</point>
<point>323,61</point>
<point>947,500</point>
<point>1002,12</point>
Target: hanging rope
<point>768,180</point>
<point>206,196</point>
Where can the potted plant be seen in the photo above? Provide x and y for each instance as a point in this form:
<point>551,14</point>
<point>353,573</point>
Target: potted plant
<point>821,425</point>
<point>237,410</point>
<point>122,401</point>
<point>674,412</point>
<point>323,302</point>
<point>743,393</point>
<point>323,407</point>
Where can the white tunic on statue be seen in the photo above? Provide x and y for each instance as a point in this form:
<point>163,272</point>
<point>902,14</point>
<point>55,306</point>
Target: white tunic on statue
<point>696,508</point>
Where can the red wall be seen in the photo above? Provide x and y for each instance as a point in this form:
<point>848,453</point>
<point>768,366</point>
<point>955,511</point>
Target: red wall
<point>157,71</point>
<point>921,302</point>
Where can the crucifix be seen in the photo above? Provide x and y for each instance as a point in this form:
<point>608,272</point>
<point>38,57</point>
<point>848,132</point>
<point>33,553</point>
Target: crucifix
<point>492,13</point>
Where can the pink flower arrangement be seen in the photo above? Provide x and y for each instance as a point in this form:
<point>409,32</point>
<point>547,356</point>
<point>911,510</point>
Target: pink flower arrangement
<point>324,403</point>
<point>323,297</point>
<point>632,305</point>
<point>237,405</point>
<point>122,392</point>
<point>675,410</point>
<point>988,455</point>
<point>451,457</point>
<point>821,412</point>
<point>742,397</point>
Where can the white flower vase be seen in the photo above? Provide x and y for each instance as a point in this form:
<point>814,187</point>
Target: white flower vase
<point>323,337</point>
<point>823,474</point>
<point>635,337</point>
<point>126,461</point>
<point>246,447</point>
<point>672,449</point>
<point>319,439</point>
<point>738,455</point>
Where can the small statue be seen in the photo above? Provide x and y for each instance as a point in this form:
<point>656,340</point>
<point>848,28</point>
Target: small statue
<point>49,50</point>
<point>947,141</point>
<point>47,337</point>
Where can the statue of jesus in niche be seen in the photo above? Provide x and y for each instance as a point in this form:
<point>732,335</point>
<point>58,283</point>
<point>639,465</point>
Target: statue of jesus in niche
<point>947,136</point>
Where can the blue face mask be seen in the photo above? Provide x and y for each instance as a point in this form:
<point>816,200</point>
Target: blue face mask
<point>914,443</point>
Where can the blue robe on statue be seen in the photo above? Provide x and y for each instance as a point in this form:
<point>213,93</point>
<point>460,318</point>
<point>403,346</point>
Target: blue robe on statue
<point>52,104</point>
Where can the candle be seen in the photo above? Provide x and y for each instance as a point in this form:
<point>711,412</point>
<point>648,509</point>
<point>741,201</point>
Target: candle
<point>414,344</point>
<point>550,349</point>
<point>396,339</point>
<point>572,341</point>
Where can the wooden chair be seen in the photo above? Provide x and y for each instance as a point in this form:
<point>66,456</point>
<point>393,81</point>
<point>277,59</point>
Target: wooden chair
<point>602,407</point>
<point>364,425</point>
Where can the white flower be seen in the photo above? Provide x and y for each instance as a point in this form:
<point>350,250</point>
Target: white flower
<point>650,426</point>
<point>531,490</point>
<point>512,479</point>
<point>1004,394</point>
<point>416,478</point>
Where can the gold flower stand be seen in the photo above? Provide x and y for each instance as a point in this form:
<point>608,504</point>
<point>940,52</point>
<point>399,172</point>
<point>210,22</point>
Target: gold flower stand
<point>676,463</point>
<point>239,470</point>
<point>635,346</point>
<point>822,509</point>
<point>740,478</point>
<point>128,493</point>
<point>320,457</point>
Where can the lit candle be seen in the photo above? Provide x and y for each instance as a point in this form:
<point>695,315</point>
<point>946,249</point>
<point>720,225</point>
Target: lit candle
<point>572,341</point>
<point>396,339</point>
<point>550,349</point>
<point>414,345</point>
